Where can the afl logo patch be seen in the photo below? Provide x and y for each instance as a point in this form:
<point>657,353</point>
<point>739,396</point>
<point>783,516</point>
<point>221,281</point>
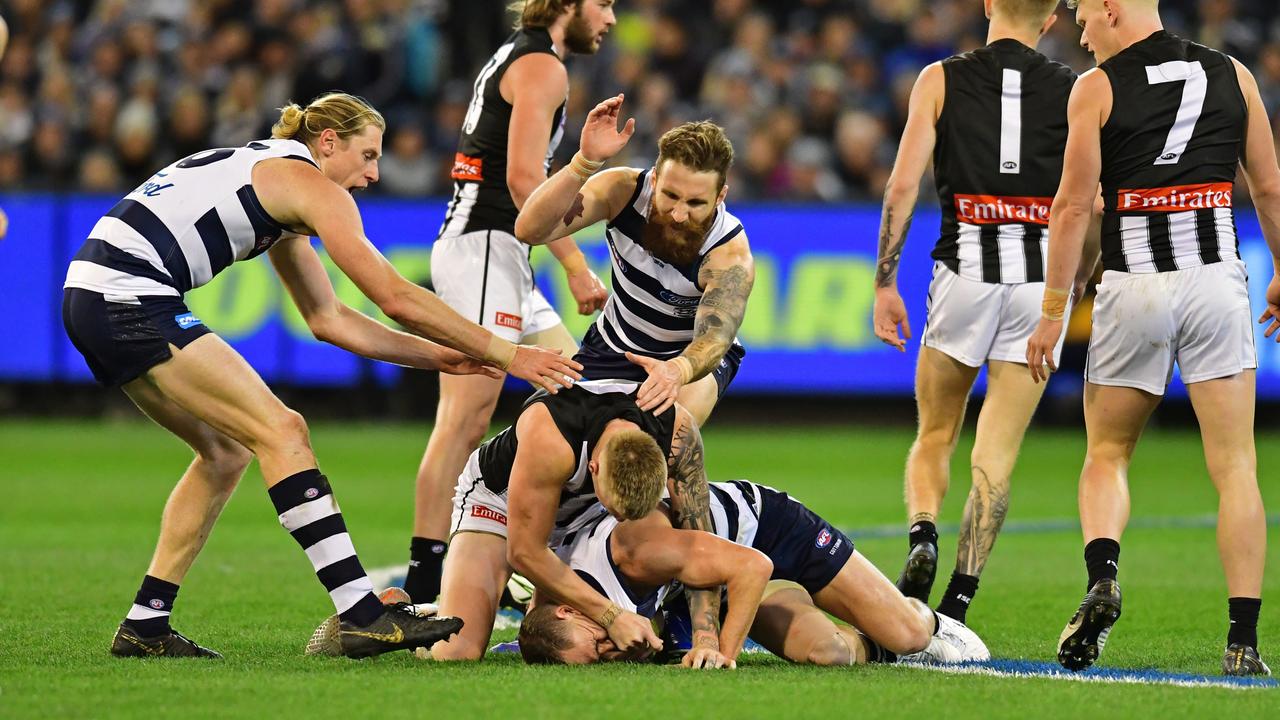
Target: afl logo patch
<point>156,603</point>
<point>311,494</point>
<point>824,538</point>
<point>1010,165</point>
<point>1168,156</point>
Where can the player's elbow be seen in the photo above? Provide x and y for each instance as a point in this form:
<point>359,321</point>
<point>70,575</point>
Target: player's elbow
<point>396,302</point>
<point>325,326</point>
<point>521,182</point>
<point>757,566</point>
<point>898,192</point>
<point>519,558</point>
<point>525,230</point>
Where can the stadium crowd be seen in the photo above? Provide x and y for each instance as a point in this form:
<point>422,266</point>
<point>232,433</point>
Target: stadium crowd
<point>97,94</point>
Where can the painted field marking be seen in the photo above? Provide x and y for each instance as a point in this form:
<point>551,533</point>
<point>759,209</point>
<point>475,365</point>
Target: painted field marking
<point>1029,669</point>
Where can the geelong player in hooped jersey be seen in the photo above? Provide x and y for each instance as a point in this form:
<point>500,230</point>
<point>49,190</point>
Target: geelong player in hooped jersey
<point>1163,124</point>
<point>123,310</point>
<point>682,268</point>
<point>512,127</point>
<point>995,121</point>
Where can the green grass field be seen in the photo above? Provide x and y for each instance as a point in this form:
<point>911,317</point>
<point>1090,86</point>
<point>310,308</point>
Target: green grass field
<point>80,503</point>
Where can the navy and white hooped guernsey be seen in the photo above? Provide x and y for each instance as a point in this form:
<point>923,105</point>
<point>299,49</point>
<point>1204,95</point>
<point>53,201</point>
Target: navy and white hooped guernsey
<point>183,226</point>
<point>653,303</point>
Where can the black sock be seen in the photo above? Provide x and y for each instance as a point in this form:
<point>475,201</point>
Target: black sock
<point>1102,558</point>
<point>1243,612</point>
<point>923,531</point>
<point>960,592</point>
<point>307,509</point>
<point>426,561</point>
<point>149,616</point>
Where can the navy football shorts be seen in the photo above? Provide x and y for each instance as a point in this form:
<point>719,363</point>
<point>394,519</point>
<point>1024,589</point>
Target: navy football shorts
<point>804,548</point>
<point>121,341</point>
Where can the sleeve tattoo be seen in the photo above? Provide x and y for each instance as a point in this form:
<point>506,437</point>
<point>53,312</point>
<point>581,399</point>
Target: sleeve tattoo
<point>890,249</point>
<point>719,316</point>
<point>691,506</point>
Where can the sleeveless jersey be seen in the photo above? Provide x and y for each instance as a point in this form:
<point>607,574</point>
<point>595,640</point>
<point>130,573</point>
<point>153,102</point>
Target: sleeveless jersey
<point>481,199</point>
<point>580,414</point>
<point>998,159</point>
<point>183,226</point>
<point>653,303</point>
<point>735,516</point>
<point>1169,154</point>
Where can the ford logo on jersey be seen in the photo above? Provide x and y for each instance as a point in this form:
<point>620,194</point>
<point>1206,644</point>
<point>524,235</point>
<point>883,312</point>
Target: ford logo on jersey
<point>186,321</point>
<point>824,538</point>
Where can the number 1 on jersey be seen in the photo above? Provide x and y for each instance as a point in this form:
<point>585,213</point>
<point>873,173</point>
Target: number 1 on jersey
<point>1011,123</point>
<point>1191,73</point>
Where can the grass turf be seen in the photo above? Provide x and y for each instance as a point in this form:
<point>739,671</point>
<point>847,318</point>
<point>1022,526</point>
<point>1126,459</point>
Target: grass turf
<point>81,501</point>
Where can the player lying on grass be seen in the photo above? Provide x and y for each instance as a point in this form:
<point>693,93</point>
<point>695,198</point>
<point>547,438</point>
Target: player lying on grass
<point>760,533</point>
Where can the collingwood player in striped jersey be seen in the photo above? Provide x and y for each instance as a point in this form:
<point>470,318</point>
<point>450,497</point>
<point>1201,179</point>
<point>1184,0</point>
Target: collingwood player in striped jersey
<point>522,489</point>
<point>682,268</point>
<point>123,310</point>
<point>995,122</point>
<point>512,127</point>
<point>759,534</point>
<point>1163,124</point>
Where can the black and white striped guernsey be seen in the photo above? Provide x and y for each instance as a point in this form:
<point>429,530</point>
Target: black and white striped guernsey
<point>997,160</point>
<point>1170,149</point>
<point>653,303</point>
<point>481,198</point>
<point>183,226</point>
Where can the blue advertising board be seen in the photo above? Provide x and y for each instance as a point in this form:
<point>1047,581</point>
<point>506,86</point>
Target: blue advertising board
<point>807,328</point>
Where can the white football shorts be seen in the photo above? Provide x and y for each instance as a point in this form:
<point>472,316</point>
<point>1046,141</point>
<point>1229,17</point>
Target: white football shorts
<point>485,276</point>
<point>974,321</point>
<point>1145,322</point>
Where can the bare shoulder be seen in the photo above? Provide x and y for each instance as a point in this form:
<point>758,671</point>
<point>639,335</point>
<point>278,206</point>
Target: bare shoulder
<point>538,75</point>
<point>539,438</point>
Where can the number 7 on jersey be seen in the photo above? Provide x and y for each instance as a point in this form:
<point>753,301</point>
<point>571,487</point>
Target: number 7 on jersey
<point>1184,125</point>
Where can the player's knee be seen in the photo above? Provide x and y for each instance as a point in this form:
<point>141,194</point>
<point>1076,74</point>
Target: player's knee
<point>470,428</point>
<point>833,650</point>
<point>226,459</point>
<point>935,442</point>
<point>287,429</point>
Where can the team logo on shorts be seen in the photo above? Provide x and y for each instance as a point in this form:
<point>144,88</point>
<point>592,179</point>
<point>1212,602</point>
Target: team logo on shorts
<point>186,321</point>
<point>156,603</point>
<point>824,539</point>
<point>311,493</point>
<point>487,513</point>
<point>514,322</point>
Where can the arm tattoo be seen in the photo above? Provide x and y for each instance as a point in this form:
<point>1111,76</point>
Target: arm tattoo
<point>719,316</point>
<point>890,249</point>
<point>574,211</point>
<point>984,514</point>
<point>691,506</point>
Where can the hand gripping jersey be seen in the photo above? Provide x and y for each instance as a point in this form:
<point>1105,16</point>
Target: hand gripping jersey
<point>183,226</point>
<point>998,159</point>
<point>1169,154</point>
<point>481,199</point>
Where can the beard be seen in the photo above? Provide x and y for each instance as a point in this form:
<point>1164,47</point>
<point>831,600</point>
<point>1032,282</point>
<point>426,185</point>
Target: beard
<point>578,37</point>
<point>674,243</point>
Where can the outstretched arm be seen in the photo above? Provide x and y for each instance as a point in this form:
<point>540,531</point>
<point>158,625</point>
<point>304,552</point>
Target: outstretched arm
<point>691,510</point>
<point>300,196</point>
<point>651,552</point>
<point>726,276</point>
<point>914,150</point>
<point>1072,213</point>
<point>331,321</point>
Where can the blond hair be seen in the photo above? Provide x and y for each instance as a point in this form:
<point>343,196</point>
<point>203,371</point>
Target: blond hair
<point>543,636</point>
<point>1029,11</point>
<point>700,146</point>
<point>637,472</point>
<point>345,114</point>
<point>539,13</point>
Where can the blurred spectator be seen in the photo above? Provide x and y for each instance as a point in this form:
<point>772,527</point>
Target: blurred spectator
<point>98,94</point>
